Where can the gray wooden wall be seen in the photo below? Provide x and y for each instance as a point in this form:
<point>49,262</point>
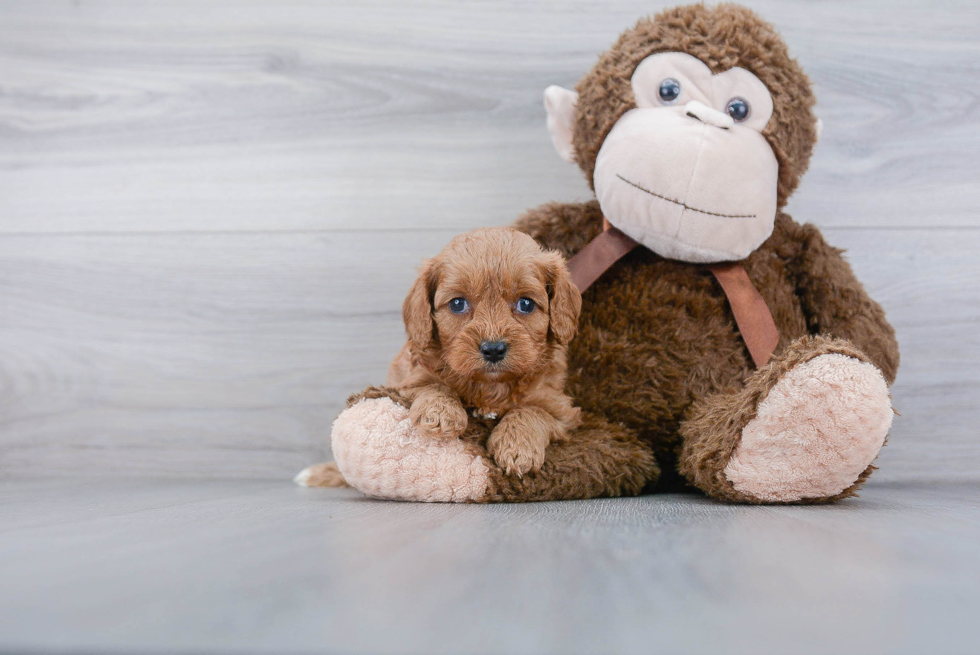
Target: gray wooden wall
<point>210,211</point>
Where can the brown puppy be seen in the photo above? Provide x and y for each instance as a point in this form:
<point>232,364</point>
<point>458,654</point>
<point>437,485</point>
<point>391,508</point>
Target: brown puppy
<point>488,322</point>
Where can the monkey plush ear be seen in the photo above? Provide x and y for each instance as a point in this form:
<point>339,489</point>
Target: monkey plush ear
<point>417,310</point>
<point>560,105</point>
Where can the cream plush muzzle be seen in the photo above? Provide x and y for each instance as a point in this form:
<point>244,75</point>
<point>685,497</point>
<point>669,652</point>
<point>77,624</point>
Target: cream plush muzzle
<point>686,189</point>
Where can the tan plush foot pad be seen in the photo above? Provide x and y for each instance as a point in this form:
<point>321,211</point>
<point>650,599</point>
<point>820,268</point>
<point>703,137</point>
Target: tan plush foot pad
<point>816,431</point>
<point>380,453</point>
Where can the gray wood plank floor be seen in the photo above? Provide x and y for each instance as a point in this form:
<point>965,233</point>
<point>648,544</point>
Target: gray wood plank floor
<point>209,213</point>
<point>254,566</point>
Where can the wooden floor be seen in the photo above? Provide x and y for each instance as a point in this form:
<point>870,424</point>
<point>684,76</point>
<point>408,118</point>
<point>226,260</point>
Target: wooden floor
<point>209,215</point>
<point>266,567</point>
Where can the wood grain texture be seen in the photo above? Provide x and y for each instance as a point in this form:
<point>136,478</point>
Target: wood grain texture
<point>267,567</point>
<point>209,214</point>
<point>166,116</point>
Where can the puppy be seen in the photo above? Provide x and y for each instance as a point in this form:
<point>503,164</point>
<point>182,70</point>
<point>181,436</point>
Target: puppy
<point>488,322</point>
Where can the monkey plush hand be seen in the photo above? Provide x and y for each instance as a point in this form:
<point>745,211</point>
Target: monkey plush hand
<point>693,130</point>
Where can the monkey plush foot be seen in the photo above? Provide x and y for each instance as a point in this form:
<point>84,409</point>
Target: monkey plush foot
<point>805,429</point>
<point>382,453</point>
<point>815,432</point>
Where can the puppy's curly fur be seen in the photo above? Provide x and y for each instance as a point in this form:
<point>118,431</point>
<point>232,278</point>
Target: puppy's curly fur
<point>442,369</point>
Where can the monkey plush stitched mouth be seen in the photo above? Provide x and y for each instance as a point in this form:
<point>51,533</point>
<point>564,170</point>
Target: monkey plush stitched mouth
<point>712,196</point>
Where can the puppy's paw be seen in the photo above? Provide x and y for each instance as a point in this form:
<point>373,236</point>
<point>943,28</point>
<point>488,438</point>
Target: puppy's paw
<point>438,416</point>
<point>516,451</point>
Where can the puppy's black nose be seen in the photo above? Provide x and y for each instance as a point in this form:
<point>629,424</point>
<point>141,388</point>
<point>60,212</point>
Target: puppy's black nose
<point>493,351</point>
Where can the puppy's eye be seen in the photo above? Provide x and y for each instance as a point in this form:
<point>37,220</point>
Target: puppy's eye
<point>525,305</point>
<point>458,305</point>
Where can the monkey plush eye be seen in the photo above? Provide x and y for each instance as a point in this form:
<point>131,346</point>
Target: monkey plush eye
<point>525,305</point>
<point>738,109</point>
<point>670,90</point>
<point>458,305</point>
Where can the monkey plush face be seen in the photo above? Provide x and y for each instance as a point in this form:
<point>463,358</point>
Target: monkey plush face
<point>687,173</point>
<point>689,129</point>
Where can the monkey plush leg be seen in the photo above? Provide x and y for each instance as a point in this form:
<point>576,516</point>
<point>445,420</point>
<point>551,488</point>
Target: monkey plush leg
<point>597,460</point>
<point>380,452</point>
<point>805,428</point>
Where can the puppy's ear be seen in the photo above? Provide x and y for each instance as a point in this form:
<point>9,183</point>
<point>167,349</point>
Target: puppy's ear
<point>417,309</point>
<point>564,297</point>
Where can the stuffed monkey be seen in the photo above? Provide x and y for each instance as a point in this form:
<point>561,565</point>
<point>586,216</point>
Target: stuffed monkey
<point>721,345</point>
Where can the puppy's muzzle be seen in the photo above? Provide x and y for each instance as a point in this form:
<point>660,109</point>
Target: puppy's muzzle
<point>493,351</point>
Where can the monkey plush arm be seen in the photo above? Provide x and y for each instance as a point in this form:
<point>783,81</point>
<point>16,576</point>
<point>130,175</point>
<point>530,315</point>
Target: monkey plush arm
<point>835,302</point>
<point>565,227</point>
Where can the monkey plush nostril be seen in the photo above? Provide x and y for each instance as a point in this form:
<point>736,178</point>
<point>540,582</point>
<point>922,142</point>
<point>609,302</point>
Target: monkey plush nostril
<point>493,351</point>
<point>707,115</point>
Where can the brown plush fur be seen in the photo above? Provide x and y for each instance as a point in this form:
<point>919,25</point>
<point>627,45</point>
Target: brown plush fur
<point>492,269</point>
<point>600,459</point>
<point>722,37</point>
